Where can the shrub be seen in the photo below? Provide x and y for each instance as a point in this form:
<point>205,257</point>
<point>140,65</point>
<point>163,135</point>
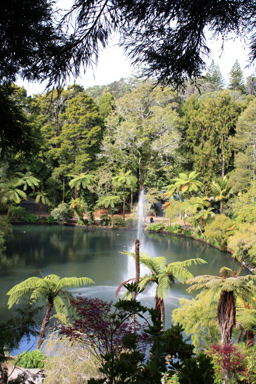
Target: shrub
<point>228,359</point>
<point>218,231</point>
<point>83,221</point>
<point>119,221</point>
<point>32,359</point>
<point>131,223</point>
<point>176,228</point>
<point>104,220</point>
<point>17,213</point>
<point>62,213</point>
<point>156,227</point>
<point>30,218</point>
<point>51,220</point>
<point>70,362</point>
<point>187,232</point>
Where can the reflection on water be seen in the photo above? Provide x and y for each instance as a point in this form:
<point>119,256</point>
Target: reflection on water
<point>69,251</point>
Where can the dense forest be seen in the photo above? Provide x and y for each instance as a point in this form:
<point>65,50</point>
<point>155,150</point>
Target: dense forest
<point>194,149</point>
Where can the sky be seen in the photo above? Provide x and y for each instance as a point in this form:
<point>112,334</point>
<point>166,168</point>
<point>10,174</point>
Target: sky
<point>114,65</point>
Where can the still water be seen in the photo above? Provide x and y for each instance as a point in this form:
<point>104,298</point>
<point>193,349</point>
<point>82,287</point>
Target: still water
<point>70,251</point>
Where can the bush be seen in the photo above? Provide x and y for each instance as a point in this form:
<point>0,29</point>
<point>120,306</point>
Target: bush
<point>218,231</point>
<point>62,213</point>
<point>30,218</point>
<point>119,222</point>
<point>83,221</point>
<point>70,362</point>
<point>131,223</point>
<point>104,220</point>
<point>187,232</point>
<point>156,227</point>
<point>51,220</point>
<point>176,228</point>
<point>32,359</point>
<point>17,213</point>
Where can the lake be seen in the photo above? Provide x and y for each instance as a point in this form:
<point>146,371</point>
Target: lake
<point>71,251</point>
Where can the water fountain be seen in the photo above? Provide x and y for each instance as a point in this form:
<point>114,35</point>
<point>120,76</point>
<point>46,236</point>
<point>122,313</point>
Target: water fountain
<point>140,214</point>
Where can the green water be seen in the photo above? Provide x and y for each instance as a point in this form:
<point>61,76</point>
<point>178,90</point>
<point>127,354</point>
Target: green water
<point>69,251</point>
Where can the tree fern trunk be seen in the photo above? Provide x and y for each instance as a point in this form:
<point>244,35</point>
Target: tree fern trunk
<point>45,323</point>
<point>226,316</point>
<point>162,313</point>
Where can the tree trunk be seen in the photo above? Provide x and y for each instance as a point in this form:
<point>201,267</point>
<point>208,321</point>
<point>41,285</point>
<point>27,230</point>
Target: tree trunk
<point>137,261</point>
<point>226,315</point>
<point>223,166</point>
<point>45,323</point>
<point>131,206</point>
<point>124,209</point>
<point>160,308</point>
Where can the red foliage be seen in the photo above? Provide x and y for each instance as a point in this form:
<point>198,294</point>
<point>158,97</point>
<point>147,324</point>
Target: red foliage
<point>95,323</point>
<point>232,359</point>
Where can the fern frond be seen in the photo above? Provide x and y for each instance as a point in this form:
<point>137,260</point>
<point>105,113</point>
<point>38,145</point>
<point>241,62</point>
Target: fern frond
<point>165,284</point>
<point>19,290</point>
<point>71,282</point>
<point>60,306</point>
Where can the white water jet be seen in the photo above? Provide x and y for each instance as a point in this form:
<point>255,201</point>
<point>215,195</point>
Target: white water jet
<point>141,215</point>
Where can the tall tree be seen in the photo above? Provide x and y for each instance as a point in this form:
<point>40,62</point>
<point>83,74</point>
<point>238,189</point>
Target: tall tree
<point>142,132</point>
<point>207,134</point>
<point>244,143</point>
<point>81,134</point>
<point>236,80</point>
<point>214,76</point>
<point>16,134</point>
<point>51,288</point>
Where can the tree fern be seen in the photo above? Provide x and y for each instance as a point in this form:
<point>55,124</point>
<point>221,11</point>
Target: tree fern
<point>225,288</point>
<point>49,288</point>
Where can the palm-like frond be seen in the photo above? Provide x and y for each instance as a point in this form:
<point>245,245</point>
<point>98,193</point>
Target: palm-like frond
<point>20,290</point>
<point>60,306</point>
<point>146,280</point>
<point>155,265</point>
<point>165,284</point>
<point>71,282</point>
<point>51,285</point>
<point>200,282</point>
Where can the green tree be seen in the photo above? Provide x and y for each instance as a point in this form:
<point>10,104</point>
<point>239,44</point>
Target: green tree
<point>11,192</point>
<point>236,81</point>
<point>53,289</point>
<point>214,76</point>
<point>218,230</point>
<point>185,184</point>
<point>81,181</point>
<point>142,132</point>
<point>244,142</point>
<point>16,135</point>
<point>207,133</point>
<point>81,134</point>
<point>110,202</point>
<point>28,180</point>
<point>220,191</point>
<point>106,104</point>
